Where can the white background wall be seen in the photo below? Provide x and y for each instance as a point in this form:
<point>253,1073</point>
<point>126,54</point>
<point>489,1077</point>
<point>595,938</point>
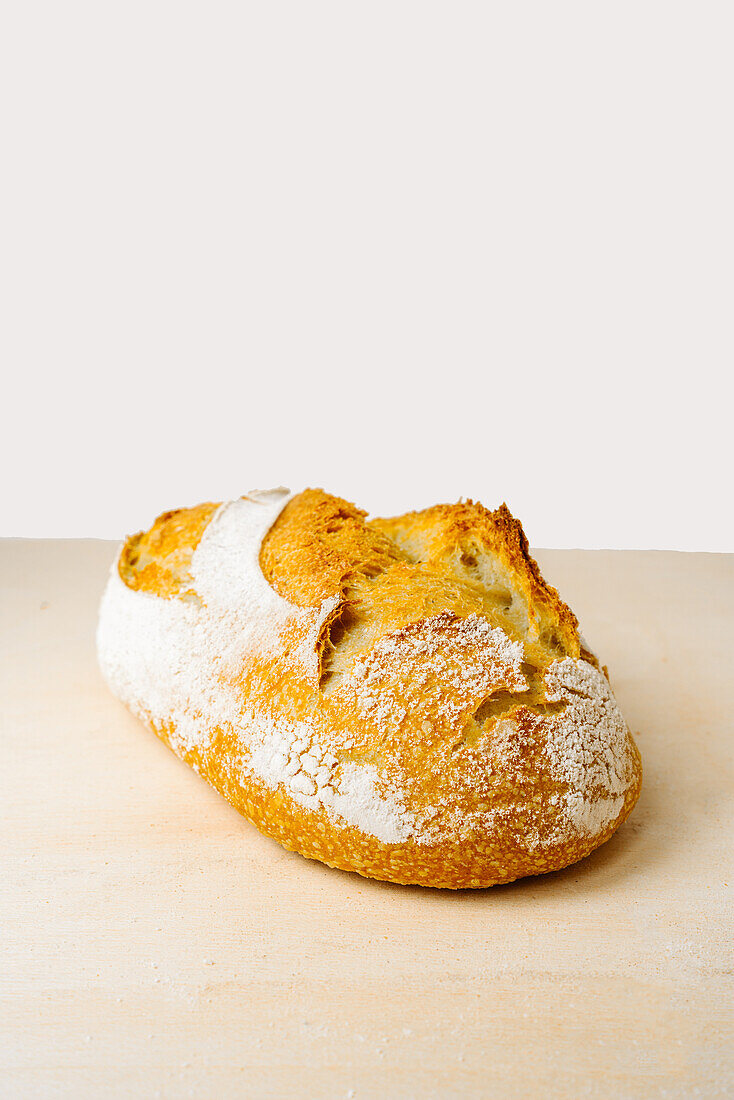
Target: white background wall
<point>405,251</point>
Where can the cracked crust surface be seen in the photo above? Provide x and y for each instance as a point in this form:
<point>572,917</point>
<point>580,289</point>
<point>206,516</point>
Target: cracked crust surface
<point>433,666</point>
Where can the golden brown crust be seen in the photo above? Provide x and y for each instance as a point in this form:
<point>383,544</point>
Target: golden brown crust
<point>318,544</point>
<point>158,560</point>
<point>453,536</point>
<point>415,581</point>
<point>479,860</point>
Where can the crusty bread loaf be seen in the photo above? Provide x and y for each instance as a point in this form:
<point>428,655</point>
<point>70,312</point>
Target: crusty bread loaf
<point>405,698</point>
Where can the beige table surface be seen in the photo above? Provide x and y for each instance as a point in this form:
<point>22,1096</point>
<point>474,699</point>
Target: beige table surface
<point>154,944</point>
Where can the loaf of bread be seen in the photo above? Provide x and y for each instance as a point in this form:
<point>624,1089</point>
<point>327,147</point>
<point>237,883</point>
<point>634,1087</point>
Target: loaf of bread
<point>405,698</point>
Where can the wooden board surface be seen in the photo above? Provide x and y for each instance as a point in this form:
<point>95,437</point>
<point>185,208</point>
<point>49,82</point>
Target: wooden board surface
<point>154,944</point>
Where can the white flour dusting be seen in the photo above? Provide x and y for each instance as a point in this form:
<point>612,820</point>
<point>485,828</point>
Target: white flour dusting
<point>587,745</point>
<point>169,658</point>
<point>584,751</point>
<point>434,647</point>
<point>293,755</point>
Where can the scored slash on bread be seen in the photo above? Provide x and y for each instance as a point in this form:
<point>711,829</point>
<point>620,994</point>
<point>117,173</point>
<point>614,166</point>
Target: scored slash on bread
<point>406,698</point>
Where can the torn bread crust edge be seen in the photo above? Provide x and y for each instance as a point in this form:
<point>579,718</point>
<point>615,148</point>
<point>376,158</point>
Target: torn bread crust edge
<point>172,662</point>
